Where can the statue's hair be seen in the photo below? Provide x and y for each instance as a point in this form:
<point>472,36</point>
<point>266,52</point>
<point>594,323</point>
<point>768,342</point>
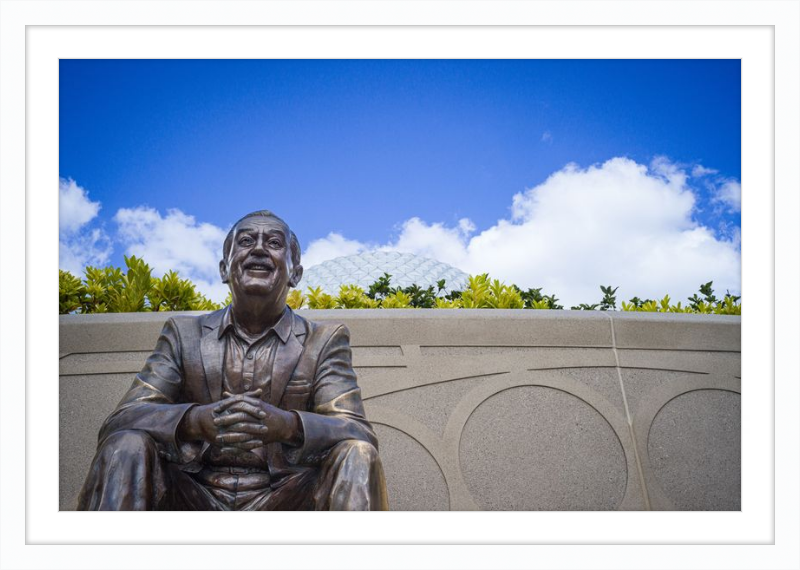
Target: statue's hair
<point>294,244</point>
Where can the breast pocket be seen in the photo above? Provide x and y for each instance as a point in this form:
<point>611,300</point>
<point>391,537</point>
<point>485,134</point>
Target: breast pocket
<point>296,395</point>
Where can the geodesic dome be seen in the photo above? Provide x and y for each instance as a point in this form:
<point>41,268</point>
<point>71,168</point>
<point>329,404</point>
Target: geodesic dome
<point>364,269</point>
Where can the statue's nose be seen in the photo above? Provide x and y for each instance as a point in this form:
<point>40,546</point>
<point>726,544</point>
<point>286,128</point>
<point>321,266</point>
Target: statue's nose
<point>260,247</point>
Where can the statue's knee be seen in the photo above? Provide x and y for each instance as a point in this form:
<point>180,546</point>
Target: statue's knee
<point>129,442</point>
<point>357,450</point>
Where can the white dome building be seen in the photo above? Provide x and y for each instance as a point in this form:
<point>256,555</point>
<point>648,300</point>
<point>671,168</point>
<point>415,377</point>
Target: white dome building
<point>364,269</point>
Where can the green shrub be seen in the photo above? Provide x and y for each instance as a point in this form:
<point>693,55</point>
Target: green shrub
<point>110,290</point>
<point>353,297</point>
<point>318,299</point>
<point>171,293</point>
<point>476,295</point>
<point>70,293</point>
<point>534,299</point>
<point>503,296</point>
<point>295,299</point>
<point>443,303</point>
<point>397,300</point>
<point>705,305</point>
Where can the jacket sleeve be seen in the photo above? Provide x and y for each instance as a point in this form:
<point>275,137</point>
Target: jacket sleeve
<point>152,404</point>
<point>337,410</point>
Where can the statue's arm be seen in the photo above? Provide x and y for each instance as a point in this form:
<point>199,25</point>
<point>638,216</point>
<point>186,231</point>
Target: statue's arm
<point>153,402</point>
<point>337,412</point>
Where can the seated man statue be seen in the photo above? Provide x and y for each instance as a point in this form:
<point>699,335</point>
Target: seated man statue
<point>251,407</point>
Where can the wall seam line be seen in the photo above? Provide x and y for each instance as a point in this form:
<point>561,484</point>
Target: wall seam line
<point>628,417</point>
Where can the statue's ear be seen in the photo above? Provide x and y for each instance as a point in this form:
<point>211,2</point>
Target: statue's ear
<point>297,275</point>
<point>223,271</point>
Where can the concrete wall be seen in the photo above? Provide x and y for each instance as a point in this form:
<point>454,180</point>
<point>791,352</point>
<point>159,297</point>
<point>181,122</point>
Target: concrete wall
<point>493,409</point>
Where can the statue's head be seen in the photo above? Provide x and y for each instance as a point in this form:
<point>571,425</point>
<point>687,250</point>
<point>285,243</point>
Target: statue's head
<point>261,257</point>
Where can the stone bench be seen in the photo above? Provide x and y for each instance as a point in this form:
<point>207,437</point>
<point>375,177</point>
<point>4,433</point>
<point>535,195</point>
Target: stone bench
<point>493,409</point>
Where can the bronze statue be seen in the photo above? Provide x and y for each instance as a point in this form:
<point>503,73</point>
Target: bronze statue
<point>251,407</point>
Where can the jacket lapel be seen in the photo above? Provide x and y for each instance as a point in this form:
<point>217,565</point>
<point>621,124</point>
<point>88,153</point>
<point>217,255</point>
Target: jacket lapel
<point>212,350</point>
<point>285,362</point>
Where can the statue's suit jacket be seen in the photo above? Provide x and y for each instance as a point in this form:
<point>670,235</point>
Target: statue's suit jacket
<point>312,374</point>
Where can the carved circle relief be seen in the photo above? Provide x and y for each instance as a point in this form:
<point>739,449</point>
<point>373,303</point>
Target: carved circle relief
<point>413,479</point>
<point>694,448</point>
<point>539,448</point>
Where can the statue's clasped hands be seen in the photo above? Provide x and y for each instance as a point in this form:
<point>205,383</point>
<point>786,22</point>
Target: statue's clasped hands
<point>242,421</point>
<point>246,422</point>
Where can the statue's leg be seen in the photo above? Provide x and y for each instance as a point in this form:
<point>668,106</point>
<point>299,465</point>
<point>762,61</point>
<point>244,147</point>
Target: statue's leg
<point>186,493</point>
<point>351,479</point>
<point>291,493</point>
<point>127,474</point>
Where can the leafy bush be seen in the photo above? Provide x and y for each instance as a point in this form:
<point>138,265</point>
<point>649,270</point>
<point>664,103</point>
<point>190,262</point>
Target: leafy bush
<point>706,305</point>
<point>444,303</point>
<point>70,292</point>
<point>318,299</point>
<point>397,300</point>
<point>295,299</point>
<point>110,290</point>
<point>485,293</point>
<point>353,297</point>
<point>534,299</point>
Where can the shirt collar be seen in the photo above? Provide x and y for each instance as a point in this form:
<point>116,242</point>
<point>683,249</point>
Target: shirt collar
<point>282,328</point>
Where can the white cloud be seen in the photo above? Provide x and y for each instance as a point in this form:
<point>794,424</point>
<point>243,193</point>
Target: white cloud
<point>332,246</point>
<point>175,241</point>
<point>729,193</point>
<point>436,240</point>
<point>79,249</point>
<point>78,244</point>
<point>547,137</point>
<point>671,172</point>
<point>75,209</point>
<point>699,170</point>
<point>619,223</point>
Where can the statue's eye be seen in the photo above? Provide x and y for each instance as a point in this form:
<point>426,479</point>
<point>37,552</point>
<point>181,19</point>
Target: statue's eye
<point>276,243</point>
<point>246,240</point>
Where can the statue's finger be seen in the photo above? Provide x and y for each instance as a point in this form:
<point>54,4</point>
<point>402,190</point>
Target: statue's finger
<point>230,419</point>
<point>230,399</point>
<point>233,437</point>
<point>226,403</point>
<point>249,427</point>
<point>252,409</point>
<point>234,449</point>
<point>251,444</point>
<point>248,400</point>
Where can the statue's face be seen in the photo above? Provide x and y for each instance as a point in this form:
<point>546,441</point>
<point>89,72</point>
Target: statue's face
<point>259,261</point>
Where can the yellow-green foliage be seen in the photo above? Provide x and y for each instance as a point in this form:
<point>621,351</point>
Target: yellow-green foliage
<point>445,304</point>
<point>353,297</point>
<point>542,304</point>
<point>727,306</point>
<point>171,293</point>
<point>483,293</point>
<point>318,299</point>
<point>504,297</point>
<point>110,290</point>
<point>70,292</point>
<point>295,299</point>
<point>397,300</point>
<point>476,295</point>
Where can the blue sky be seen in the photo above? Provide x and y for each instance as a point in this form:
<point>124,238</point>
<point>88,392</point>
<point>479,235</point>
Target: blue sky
<point>532,170</point>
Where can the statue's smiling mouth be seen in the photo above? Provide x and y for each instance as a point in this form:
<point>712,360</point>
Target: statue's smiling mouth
<point>258,267</point>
